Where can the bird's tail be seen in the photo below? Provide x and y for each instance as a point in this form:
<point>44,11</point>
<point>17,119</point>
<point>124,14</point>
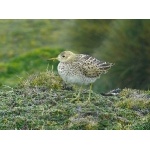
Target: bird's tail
<point>105,66</point>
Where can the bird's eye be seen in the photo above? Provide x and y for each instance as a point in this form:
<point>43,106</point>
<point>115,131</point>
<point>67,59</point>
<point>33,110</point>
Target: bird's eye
<point>63,56</point>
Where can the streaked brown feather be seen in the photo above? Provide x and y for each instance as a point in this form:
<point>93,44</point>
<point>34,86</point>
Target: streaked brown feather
<point>92,67</point>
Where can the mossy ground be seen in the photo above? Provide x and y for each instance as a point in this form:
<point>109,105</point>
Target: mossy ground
<point>42,102</point>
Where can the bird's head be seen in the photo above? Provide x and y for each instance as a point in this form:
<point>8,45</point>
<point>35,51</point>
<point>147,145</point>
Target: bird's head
<point>65,56</point>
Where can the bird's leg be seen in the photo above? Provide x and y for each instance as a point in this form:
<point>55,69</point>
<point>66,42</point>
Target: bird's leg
<point>78,95</point>
<point>90,92</point>
<point>79,92</point>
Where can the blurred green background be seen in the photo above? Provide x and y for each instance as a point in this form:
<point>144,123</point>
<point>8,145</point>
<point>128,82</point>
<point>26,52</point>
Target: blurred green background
<point>25,46</point>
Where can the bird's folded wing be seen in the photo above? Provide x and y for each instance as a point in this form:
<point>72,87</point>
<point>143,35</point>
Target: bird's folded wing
<point>91,67</point>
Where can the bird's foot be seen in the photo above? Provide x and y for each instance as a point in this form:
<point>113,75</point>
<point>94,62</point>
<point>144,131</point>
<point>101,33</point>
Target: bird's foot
<point>76,98</point>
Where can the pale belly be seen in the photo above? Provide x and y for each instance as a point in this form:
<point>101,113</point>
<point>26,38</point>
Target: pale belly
<point>73,75</point>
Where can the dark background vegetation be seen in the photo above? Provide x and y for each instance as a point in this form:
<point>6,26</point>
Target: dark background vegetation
<point>26,44</point>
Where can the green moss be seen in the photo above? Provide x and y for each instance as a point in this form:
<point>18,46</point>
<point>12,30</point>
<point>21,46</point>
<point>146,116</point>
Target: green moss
<point>46,79</point>
<point>41,102</point>
<point>134,104</point>
<point>143,124</point>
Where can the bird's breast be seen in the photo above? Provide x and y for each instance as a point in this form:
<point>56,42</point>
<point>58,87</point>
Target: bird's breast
<point>71,73</point>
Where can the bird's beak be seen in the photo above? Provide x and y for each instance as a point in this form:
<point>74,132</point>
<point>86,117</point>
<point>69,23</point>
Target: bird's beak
<point>53,59</point>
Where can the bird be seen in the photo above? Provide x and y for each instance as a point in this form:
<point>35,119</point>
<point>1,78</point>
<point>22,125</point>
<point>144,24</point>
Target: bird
<point>80,69</point>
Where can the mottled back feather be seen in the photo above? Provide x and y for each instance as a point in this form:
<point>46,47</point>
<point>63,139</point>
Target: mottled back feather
<point>92,67</point>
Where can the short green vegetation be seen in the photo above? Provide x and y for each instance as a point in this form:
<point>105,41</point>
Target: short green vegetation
<point>42,101</point>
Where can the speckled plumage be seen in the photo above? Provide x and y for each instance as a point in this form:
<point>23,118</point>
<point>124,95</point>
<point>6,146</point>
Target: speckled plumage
<point>80,68</point>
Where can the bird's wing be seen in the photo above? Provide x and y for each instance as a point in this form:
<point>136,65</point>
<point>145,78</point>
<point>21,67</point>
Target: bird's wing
<point>92,67</point>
